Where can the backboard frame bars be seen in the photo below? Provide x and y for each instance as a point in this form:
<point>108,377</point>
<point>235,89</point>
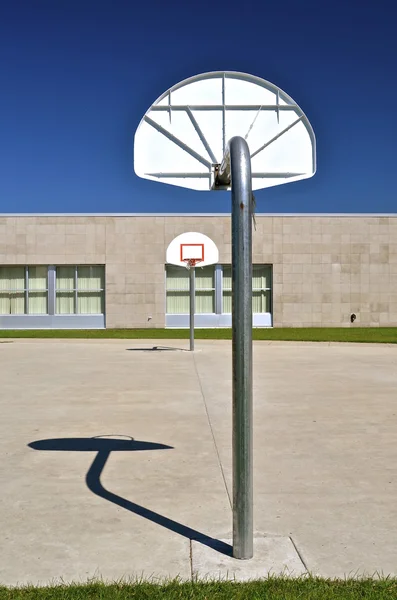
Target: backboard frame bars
<point>211,162</point>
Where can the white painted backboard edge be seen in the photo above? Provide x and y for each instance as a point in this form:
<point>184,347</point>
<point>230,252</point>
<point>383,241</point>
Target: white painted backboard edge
<point>211,252</point>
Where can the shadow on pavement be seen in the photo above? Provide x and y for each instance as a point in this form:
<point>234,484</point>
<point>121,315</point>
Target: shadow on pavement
<point>157,349</point>
<point>104,445</point>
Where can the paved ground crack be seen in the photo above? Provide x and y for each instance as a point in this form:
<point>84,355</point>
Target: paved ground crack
<point>212,431</point>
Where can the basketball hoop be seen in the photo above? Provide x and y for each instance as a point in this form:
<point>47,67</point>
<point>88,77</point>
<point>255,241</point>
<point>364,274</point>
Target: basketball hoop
<point>190,263</point>
<point>191,249</point>
<point>213,114</point>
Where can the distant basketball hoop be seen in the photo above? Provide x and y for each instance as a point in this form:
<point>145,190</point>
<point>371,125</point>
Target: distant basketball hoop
<point>190,250</point>
<point>192,254</point>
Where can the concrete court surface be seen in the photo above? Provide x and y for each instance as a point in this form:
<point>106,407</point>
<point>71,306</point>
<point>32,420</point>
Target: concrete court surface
<point>74,507</point>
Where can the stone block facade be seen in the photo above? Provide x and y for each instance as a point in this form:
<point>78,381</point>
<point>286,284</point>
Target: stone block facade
<point>325,267</point>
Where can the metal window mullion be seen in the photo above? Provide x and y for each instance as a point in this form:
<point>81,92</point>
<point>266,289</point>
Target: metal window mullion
<point>75,290</point>
<point>218,289</point>
<point>26,290</point>
<point>51,278</point>
<point>103,296</point>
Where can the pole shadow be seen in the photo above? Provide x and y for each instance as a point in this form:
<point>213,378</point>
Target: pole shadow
<point>104,446</point>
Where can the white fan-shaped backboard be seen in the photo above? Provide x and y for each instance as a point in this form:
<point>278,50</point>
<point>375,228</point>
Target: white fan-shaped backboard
<point>184,133</point>
<point>192,245</point>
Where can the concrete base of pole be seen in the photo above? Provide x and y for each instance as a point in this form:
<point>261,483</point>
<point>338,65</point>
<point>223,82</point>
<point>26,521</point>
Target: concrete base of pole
<point>273,555</point>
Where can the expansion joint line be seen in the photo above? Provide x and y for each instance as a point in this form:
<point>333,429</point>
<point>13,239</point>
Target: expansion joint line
<point>212,430</point>
<point>299,554</point>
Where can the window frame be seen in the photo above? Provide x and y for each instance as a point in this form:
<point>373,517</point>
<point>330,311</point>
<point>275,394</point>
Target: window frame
<point>186,291</point>
<point>38,291</point>
<point>219,288</point>
<point>75,291</point>
<point>261,289</point>
<point>25,290</point>
<point>264,289</point>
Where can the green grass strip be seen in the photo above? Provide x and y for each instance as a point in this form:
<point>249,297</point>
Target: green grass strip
<point>277,588</point>
<point>307,334</point>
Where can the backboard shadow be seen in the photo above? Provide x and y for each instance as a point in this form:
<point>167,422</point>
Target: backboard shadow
<point>104,445</point>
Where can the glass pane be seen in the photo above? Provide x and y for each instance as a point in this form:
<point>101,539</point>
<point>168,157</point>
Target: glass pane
<point>177,303</point>
<point>65,278</point>
<point>261,302</point>
<point>205,302</point>
<point>227,302</point>
<point>205,278</point>
<point>37,278</point>
<point>64,303</point>
<point>12,278</point>
<point>4,304</point>
<point>227,278</point>
<point>177,278</point>
<point>261,276</point>
<point>17,304</point>
<point>37,303</point>
<point>90,278</point>
<point>90,303</point>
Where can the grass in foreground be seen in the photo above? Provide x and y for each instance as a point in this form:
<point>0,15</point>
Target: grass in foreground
<point>309,334</point>
<point>276,588</point>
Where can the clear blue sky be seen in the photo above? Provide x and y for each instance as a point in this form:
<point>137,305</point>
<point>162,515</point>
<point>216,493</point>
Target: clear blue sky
<point>78,75</point>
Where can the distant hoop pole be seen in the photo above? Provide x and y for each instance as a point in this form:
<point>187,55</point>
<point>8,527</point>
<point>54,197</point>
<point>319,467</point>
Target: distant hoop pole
<point>192,304</point>
<point>236,170</point>
<point>191,264</point>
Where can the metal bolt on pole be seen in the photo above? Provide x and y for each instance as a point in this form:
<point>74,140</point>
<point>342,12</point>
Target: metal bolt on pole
<point>236,169</point>
<point>192,288</point>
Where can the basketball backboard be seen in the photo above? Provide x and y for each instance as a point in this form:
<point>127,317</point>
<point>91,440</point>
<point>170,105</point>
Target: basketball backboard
<point>182,138</point>
<point>192,249</point>
<point>227,130</point>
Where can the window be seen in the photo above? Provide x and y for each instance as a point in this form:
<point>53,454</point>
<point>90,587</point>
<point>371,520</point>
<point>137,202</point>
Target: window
<point>23,290</point>
<point>65,290</point>
<point>37,295</point>
<point>12,290</point>
<point>205,289</point>
<point>214,298</point>
<point>79,290</point>
<point>32,296</point>
<point>90,290</point>
<point>261,289</point>
<point>227,289</point>
<point>177,290</point>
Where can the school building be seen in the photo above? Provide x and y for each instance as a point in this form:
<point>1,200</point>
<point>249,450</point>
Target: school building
<point>109,270</point>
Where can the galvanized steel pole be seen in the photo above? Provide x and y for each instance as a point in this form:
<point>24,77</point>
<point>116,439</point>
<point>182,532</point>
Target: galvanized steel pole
<point>192,288</point>
<point>236,170</point>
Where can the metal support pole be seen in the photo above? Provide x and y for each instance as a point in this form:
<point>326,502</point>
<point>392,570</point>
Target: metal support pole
<point>236,169</point>
<point>192,288</point>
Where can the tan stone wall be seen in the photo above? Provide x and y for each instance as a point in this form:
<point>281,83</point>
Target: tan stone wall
<point>324,268</point>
